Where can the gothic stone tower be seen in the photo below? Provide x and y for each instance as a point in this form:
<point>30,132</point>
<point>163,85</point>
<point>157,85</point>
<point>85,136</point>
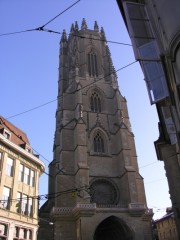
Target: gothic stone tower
<point>99,191</point>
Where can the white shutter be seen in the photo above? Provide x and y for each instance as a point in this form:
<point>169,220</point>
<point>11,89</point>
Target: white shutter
<point>145,48</point>
<point>153,71</point>
<point>139,27</point>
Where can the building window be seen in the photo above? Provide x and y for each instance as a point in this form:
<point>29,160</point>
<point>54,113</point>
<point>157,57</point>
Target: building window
<point>30,206</point>
<point>30,234</point>
<point>92,65</point>
<point>1,157</point>
<point>28,149</point>
<point>6,197</point>
<point>21,172</point>
<point>9,168</point>
<point>24,204</point>
<point>16,233</point>
<point>22,233</point>
<point>98,144</point>
<point>6,135</point>
<point>95,102</point>
<point>26,175</point>
<point>32,175</point>
<point>3,231</point>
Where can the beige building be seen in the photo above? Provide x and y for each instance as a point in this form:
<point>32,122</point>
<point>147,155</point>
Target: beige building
<point>166,227</point>
<point>154,28</point>
<point>95,189</point>
<point>20,170</point>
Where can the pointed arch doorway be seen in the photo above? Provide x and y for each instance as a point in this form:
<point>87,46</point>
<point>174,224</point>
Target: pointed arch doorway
<point>113,228</point>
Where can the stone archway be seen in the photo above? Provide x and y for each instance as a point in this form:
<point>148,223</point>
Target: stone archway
<point>113,228</point>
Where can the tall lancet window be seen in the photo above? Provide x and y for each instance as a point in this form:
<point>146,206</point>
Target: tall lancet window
<point>98,144</point>
<point>95,102</point>
<point>92,64</point>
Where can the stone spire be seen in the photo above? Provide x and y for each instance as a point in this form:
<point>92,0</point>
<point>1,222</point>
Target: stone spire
<point>64,36</point>
<point>96,27</point>
<point>76,26</point>
<point>103,36</point>
<point>72,31</point>
<point>63,43</point>
<point>83,25</point>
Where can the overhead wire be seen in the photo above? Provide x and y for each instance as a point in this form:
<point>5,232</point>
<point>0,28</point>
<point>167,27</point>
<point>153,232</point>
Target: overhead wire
<point>70,34</point>
<point>65,96</point>
<point>48,30</point>
<point>60,13</point>
<point>148,164</point>
<point>45,196</point>
<point>41,28</point>
<point>72,183</point>
<point>44,104</point>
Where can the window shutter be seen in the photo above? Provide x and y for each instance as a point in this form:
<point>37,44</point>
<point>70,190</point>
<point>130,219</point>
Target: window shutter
<point>145,48</point>
<point>153,71</point>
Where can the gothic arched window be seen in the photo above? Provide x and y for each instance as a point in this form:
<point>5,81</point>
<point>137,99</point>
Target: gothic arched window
<point>92,64</point>
<point>98,143</point>
<point>95,102</point>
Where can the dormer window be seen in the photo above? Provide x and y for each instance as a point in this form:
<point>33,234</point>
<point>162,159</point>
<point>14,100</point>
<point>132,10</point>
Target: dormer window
<point>28,149</point>
<point>6,135</point>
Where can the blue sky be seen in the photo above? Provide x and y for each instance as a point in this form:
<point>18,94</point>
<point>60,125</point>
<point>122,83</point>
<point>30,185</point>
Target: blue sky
<point>29,75</point>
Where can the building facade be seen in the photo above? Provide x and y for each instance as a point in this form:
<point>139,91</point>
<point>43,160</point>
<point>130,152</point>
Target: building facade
<point>95,189</point>
<point>166,227</point>
<point>20,170</point>
<point>154,28</point>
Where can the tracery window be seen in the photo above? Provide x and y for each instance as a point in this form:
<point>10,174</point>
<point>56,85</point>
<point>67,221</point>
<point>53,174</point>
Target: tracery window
<point>92,64</point>
<point>98,144</point>
<point>95,102</point>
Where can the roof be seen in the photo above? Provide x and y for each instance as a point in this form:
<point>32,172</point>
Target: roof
<point>166,216</point>
<point>17,136</point>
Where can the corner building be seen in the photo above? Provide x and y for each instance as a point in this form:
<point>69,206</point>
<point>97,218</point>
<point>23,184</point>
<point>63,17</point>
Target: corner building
<point>95,189</point>
<point>20,171</point>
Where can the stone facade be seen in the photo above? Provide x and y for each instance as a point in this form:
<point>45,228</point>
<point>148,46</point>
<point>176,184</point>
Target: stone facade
<point>20,170</point>
<point>95,189</point>
<point>166,227</point>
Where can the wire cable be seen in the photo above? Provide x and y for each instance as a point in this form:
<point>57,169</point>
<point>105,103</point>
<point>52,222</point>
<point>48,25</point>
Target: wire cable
<point>41,27</point>
<point>90,38</point>
<point>45,196</point>
<point>60,13</point>
<point>44,104</point>
<point>148,164</point>
<point>72,183</point>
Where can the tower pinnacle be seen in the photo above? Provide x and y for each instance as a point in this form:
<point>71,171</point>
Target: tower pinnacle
<point>83,25</point>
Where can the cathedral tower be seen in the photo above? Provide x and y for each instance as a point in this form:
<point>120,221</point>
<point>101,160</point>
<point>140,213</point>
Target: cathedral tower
<point>95,189</point>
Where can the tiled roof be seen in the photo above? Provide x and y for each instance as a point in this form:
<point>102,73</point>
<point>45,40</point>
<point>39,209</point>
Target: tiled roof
<point>17,136</point>
<point>168,215</point>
